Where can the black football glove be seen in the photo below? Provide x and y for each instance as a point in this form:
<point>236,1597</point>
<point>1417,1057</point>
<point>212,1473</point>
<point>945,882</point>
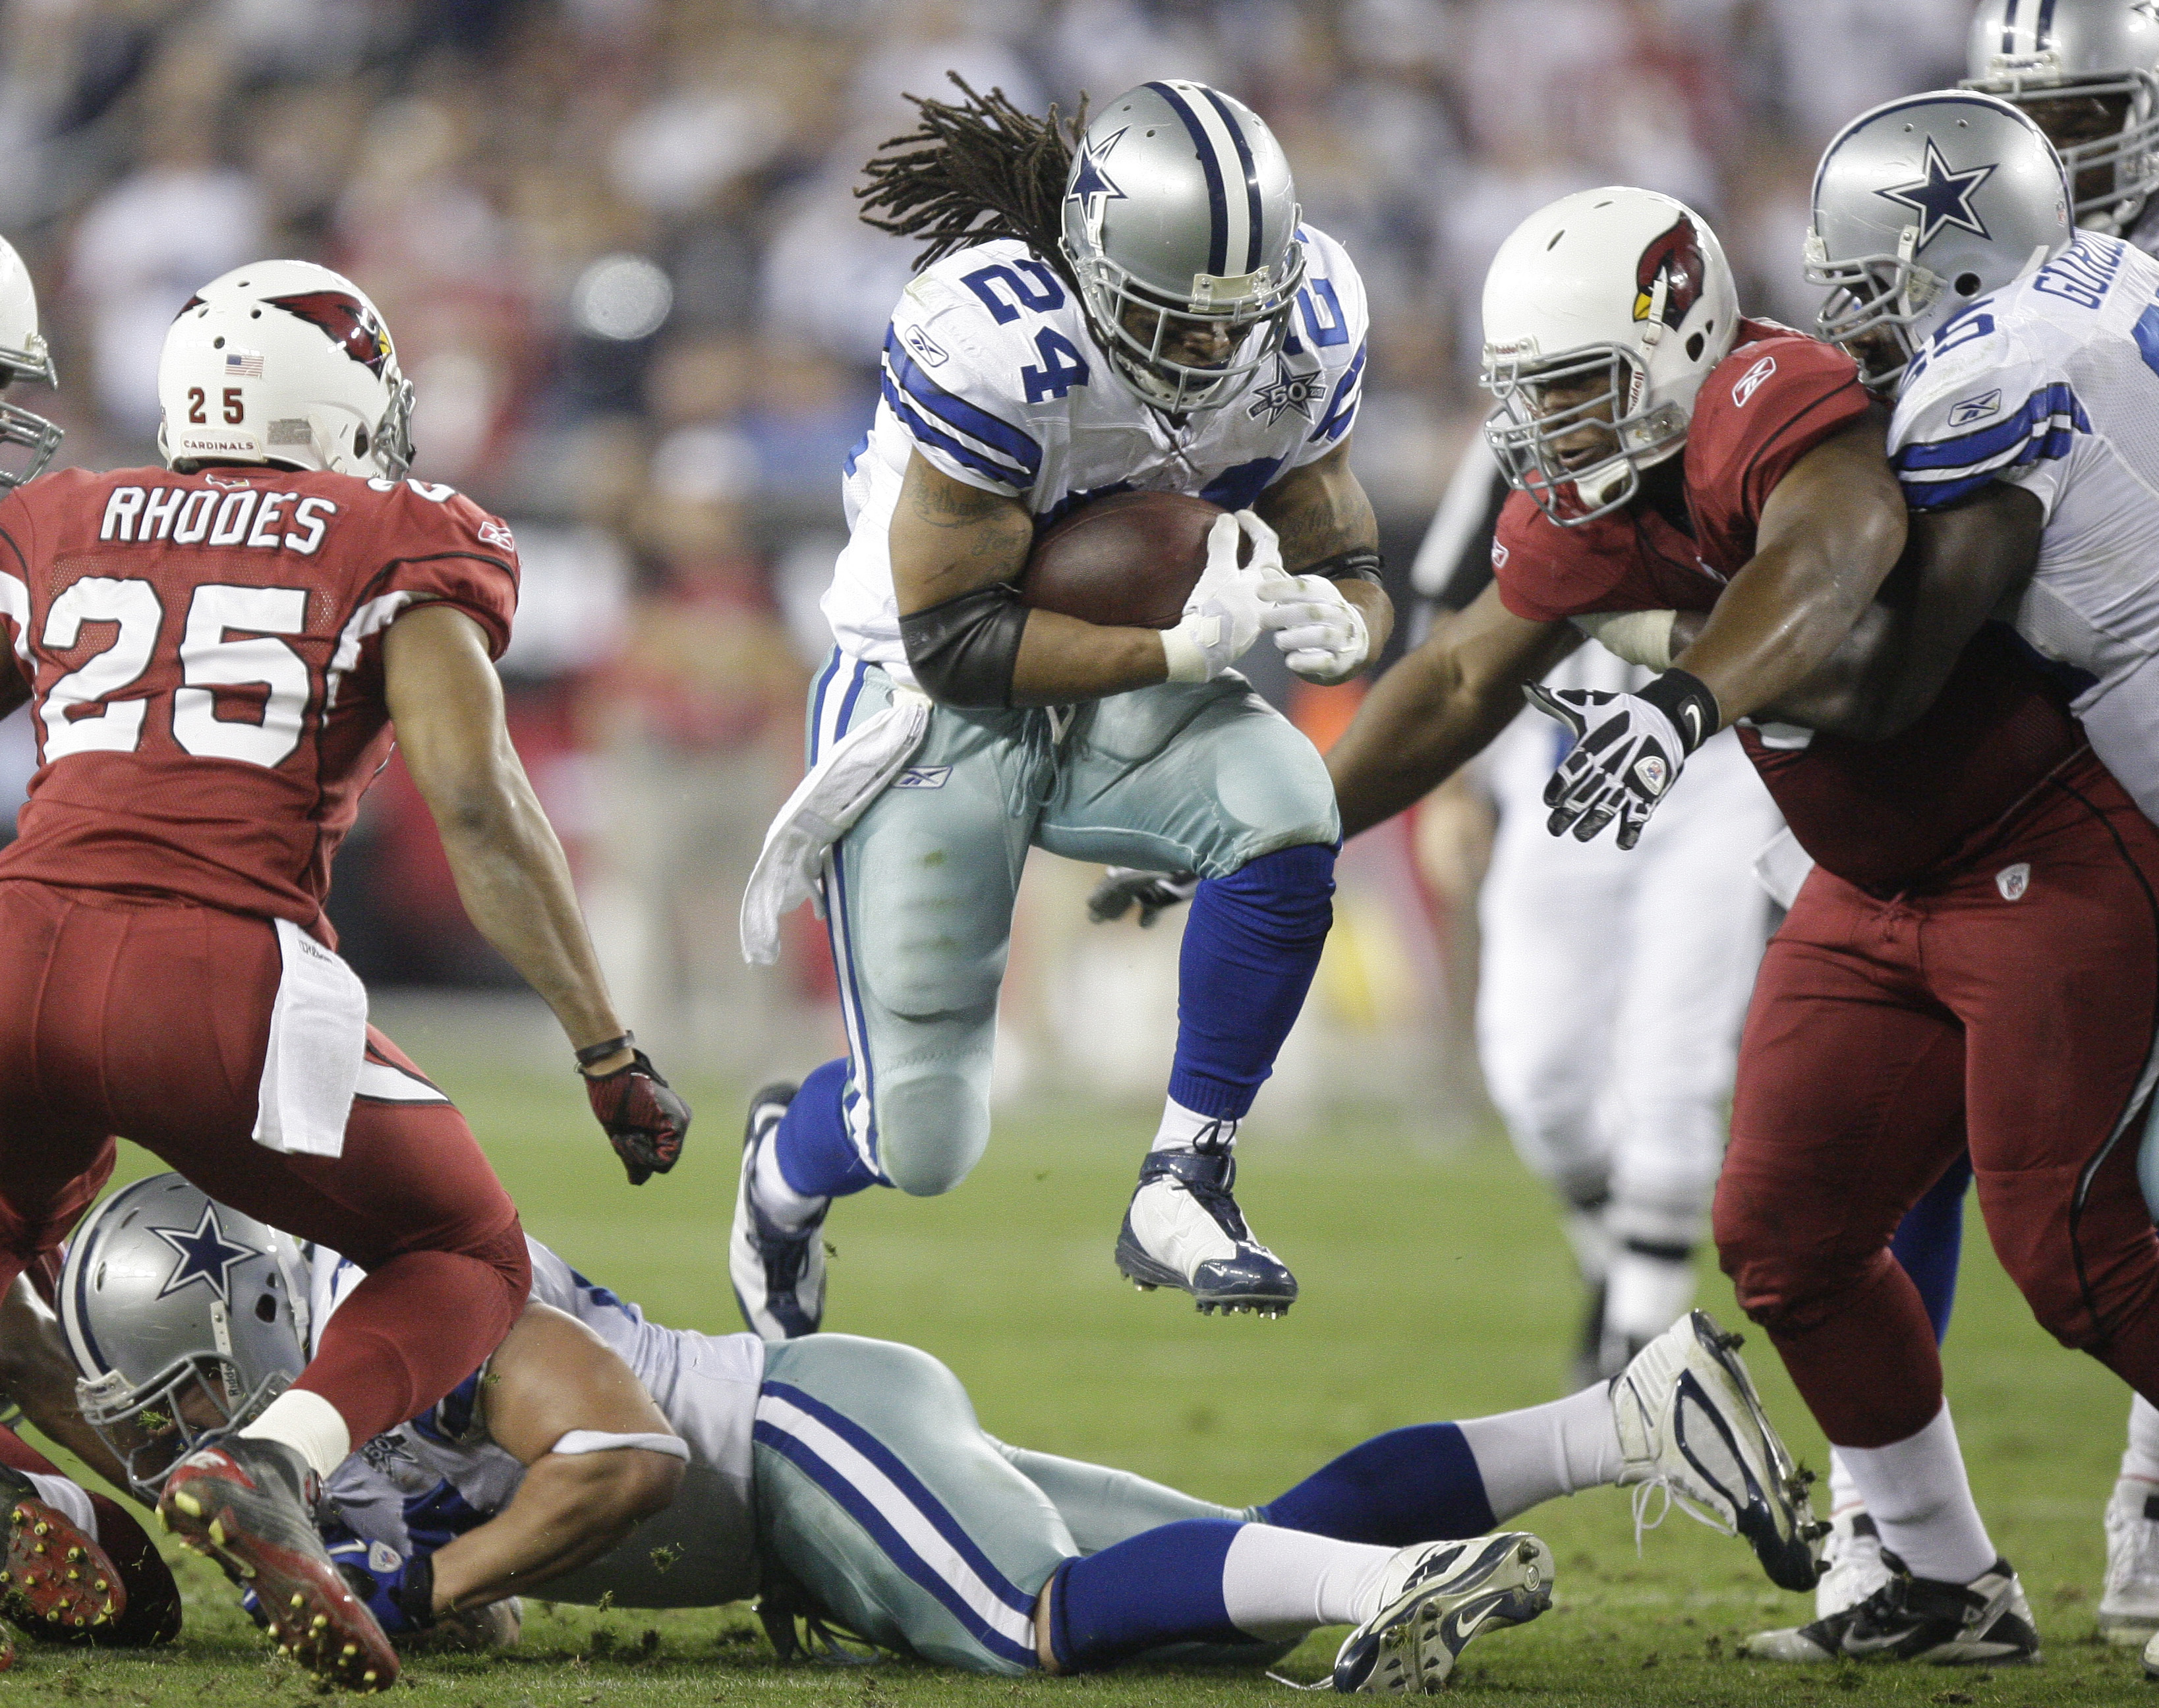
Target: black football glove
<point>646,1119</point>
<point>1627,753</point>
<point>1154,891</point>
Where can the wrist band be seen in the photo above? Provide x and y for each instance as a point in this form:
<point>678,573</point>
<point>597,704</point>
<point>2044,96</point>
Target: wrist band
<point>1686,699</point>
<point>605,1048</point>
<point>1358,563</point>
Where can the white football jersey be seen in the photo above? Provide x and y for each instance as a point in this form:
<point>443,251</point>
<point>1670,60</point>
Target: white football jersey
<point>991,373</point>
<point>441,1474</point>
<point>2052,383</point>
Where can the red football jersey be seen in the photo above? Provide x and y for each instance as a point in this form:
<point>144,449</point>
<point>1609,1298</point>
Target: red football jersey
<point>203,653</point>
<point>1880,814</point>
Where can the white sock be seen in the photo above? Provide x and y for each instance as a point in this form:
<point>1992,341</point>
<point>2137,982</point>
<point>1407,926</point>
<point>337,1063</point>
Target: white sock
<point>1182,1129</point>
<point>309,1424</point>
<point>2139,1460</point>
<point>787,1208</point>
<point>1921,1502</point>
<point>1844,1494</point>
<point>1644,1295</point>
<point>1282,1583</point>
<point>1530,1456</point>
<point>66,1496</point>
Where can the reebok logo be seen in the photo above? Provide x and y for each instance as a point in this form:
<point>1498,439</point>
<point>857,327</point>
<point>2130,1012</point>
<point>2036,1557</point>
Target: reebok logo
<point>1499,553</point>
<point>924,346</point>
<point>2012,881</point>
<point>1977,408</point>
<point>922,777</point>
<point>1750,382</point>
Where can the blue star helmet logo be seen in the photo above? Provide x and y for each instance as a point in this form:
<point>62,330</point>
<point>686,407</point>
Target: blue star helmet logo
<point>1091,186</point>
<point>1943,197</point>
<point>205,1255</point>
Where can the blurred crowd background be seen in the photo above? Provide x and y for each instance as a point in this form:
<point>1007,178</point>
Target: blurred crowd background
<point>615,242</point>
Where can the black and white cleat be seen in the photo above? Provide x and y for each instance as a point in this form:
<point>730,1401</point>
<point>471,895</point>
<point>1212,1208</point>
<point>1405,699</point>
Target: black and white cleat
<point>1434,1599</point>
<point>1183,1229</point>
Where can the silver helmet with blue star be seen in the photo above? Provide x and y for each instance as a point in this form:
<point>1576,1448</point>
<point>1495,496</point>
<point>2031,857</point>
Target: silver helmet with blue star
<point>1180,224</point>
<point>184,1317</point>
<point>1921,206</point>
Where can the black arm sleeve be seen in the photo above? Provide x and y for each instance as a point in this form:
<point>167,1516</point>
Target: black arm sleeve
<point>963,650</point>
<point>1358,563</point>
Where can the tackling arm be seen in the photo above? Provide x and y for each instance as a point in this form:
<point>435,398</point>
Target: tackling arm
<point>1320,511</point>
<point>956,551</point>
<point>1829,534</point>
<point>1439,706</point>
<point>550,1376</point>
<point>37,1375</point>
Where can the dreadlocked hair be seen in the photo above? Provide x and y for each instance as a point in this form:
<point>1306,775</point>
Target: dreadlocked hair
<point>974,170</point>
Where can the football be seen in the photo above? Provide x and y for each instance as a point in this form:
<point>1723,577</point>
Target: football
<point>1128,560</point>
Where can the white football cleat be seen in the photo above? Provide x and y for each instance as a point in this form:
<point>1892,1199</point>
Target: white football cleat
<point>779,1276</point>
<point>1853,1567</point>
<point>1690,1424</point>
<point>1982,1622</point>
<point>1434,1597</point>
<point>2129,1608</point>
<point>1183,1229</point>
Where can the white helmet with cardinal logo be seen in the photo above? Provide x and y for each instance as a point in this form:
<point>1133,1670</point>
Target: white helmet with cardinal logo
<point>1603,314</point>
<point>288,363</point>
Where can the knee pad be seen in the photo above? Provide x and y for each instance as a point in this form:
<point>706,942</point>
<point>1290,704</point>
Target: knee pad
<point>931,1131</point>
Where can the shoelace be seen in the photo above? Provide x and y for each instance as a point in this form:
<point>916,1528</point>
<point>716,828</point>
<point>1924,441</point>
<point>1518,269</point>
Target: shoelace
<point>1673,1497</point>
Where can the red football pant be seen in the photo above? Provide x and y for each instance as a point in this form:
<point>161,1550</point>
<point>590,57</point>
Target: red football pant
<point>152,1021</point>
<point>2013,1013</point>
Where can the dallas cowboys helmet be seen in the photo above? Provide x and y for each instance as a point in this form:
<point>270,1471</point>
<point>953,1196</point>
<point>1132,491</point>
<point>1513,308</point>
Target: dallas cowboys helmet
<point>184,1318</point>
<point>1179,208</point>
<point>1603,314</point>
<point>1921,206</point>
<point>2087,71</point>
<point>22,356</point>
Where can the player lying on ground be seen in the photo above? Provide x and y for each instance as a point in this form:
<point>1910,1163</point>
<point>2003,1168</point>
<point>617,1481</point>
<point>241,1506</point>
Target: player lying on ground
<point>1975,953</point>
<point>213,653</point>
<point>1143,312</point>
<point>614,1461</point>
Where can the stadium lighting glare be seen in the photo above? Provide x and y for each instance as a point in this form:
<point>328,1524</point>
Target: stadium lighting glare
<point>621,297</point>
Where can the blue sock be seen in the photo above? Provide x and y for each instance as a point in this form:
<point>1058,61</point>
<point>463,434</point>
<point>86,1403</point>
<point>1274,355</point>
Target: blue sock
<point>817,1157</point>
<point>1930,1238</point>
<point>1251,948</point>
<point>1163,1586</point>
<point>1419,1484</point>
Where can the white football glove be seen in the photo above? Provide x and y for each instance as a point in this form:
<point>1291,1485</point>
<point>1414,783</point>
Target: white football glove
<point>1321,634</point>
<point>1222,618</point>
<point>1626,756</point>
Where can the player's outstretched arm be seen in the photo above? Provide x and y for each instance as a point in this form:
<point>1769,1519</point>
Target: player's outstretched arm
<point>1829,534</point>
<point>446,701</point>
<point>1439,706</point>
<point>552,1381</point>
<point>956,554</point>
<point>1321,514</point>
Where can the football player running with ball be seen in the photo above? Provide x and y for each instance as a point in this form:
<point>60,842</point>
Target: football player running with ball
<point>1975,953</point>
<point>1141,311</point>
<point>214,653</point>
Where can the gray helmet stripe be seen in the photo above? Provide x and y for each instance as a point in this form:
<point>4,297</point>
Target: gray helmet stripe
<point>1210,162</point>
<point>1254,218</point>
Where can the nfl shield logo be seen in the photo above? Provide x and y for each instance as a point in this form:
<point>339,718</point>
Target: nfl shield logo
<point>1652,772</point>
<point>2012,881</point>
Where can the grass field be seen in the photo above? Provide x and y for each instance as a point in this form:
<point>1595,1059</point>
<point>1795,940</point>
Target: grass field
<point>1434,1285</point>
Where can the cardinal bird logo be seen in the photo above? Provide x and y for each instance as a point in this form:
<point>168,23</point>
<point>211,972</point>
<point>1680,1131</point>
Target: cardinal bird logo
<point>351,324</point>
<point>1676,254</point>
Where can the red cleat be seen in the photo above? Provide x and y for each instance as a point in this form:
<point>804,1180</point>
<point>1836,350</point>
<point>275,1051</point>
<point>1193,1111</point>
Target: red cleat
<point>57,1582</point>
<point>246,1501</point>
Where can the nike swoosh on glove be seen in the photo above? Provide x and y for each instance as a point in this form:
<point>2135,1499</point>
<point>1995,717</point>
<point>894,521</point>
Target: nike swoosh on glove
<point>646,1118</point>
<point>1222,616</point>
<point>1322,635</point>
<point>1155,893</point>
<point>1627,751</point>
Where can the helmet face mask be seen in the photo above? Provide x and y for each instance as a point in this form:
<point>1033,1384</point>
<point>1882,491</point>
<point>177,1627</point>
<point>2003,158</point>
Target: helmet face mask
<point>1571,433</point>
<point>1174,185</point>
<point>1874,303</point>
<point>22,356</point>
<point>153,1427</point>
